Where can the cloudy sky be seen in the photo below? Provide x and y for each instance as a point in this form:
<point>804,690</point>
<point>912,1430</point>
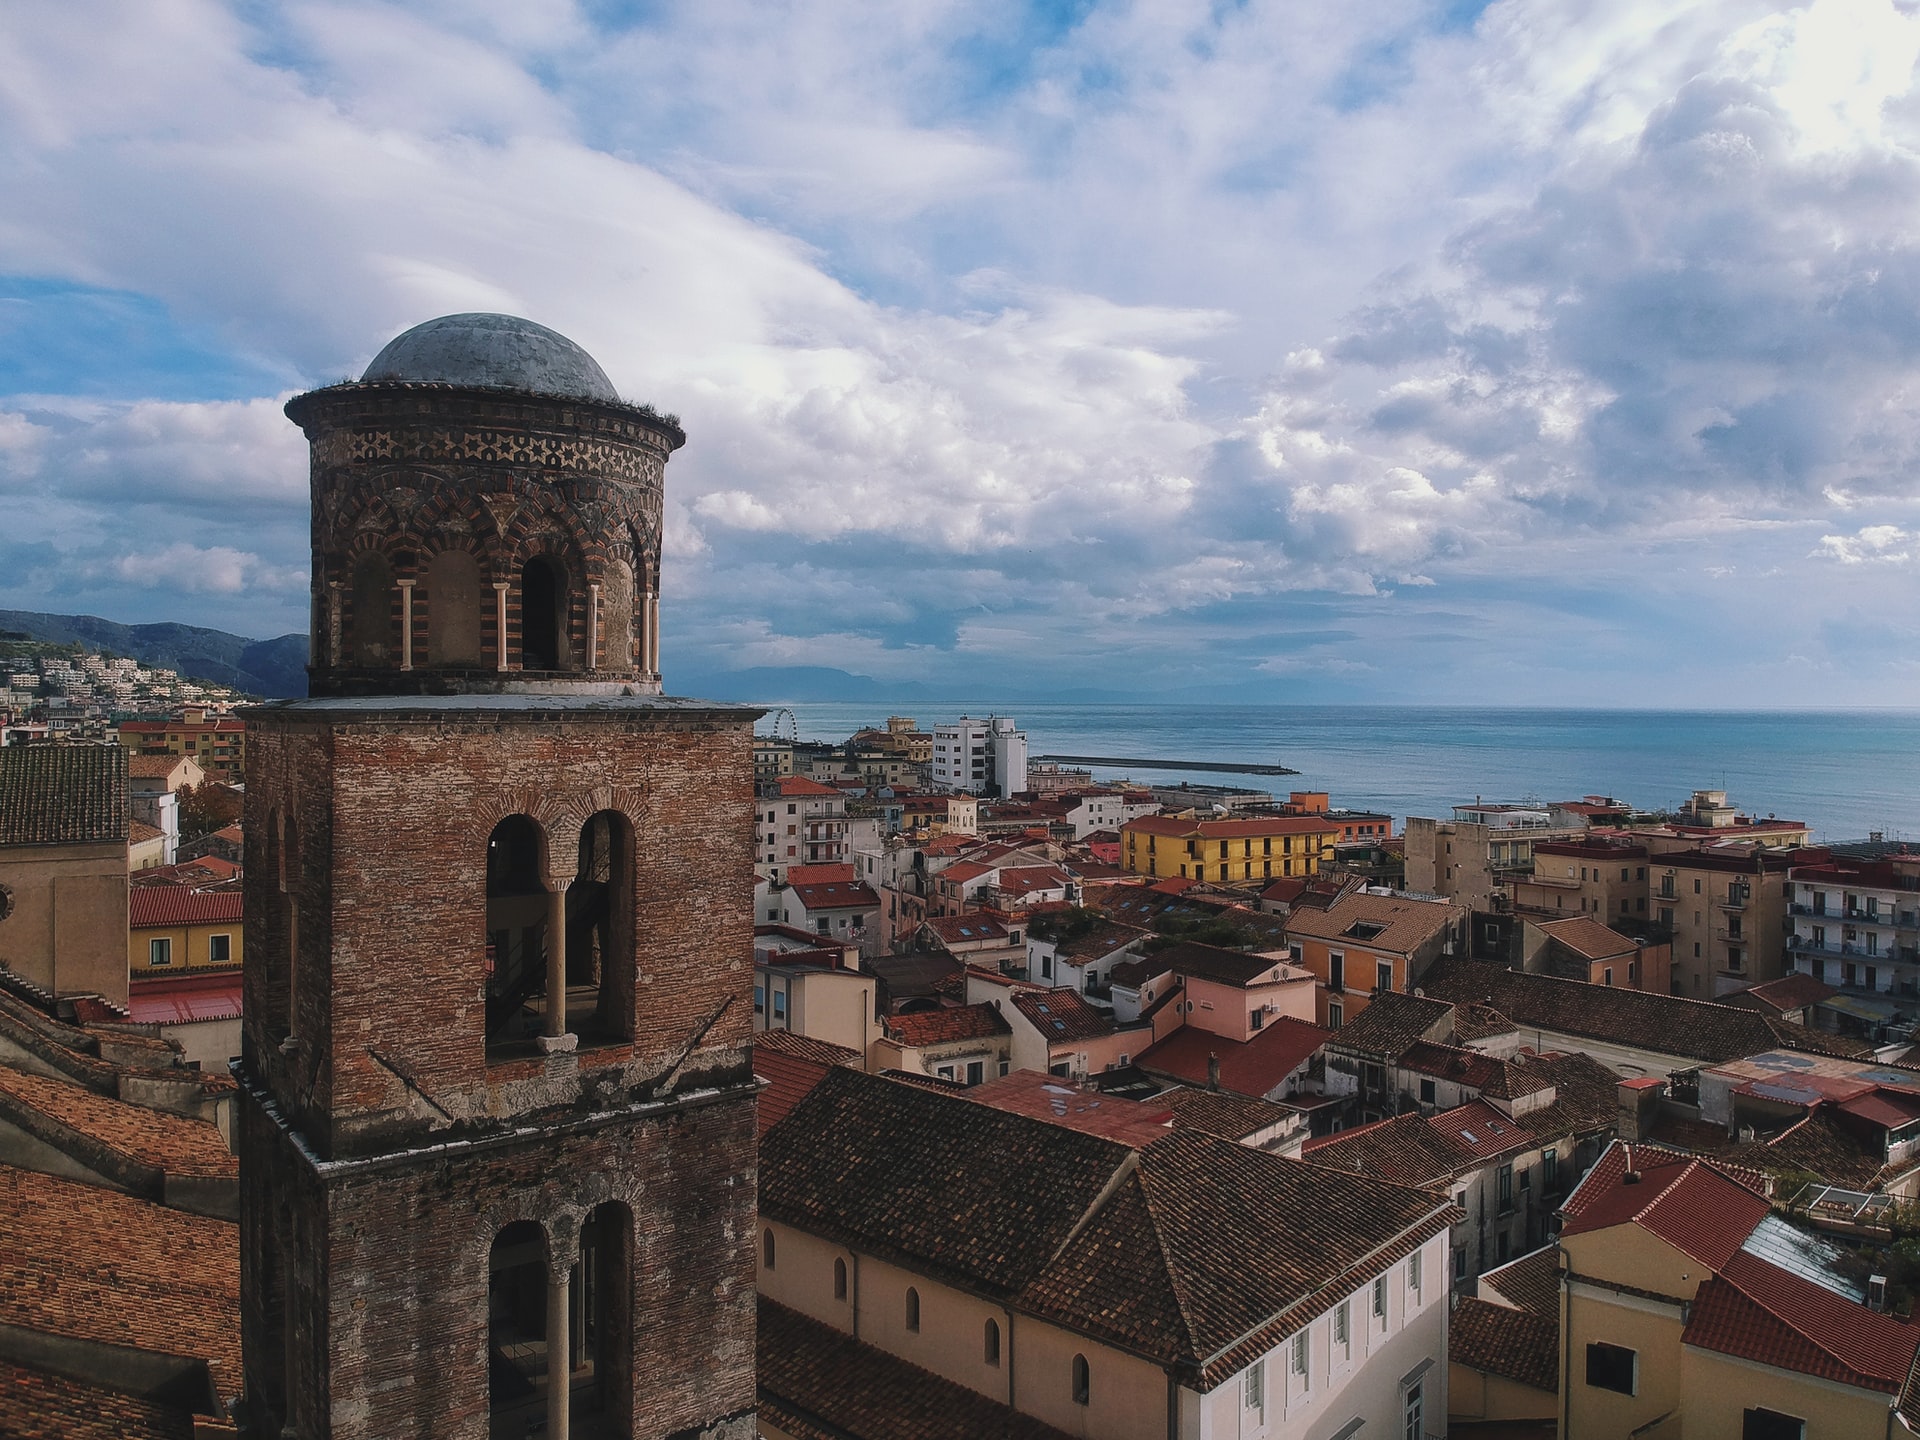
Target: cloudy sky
<point>1546,351</point>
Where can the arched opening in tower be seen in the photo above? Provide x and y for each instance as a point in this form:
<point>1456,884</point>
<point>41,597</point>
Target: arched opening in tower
<point>542,615</point>
<point>516,926</point>
<point>603,1286</point>
<point>375,638</point>
<point>453,609</point>
<point>517,1326</point>
<point>600,951</point>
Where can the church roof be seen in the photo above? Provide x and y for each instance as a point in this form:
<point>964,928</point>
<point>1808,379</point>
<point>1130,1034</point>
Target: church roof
<point>494,352</point>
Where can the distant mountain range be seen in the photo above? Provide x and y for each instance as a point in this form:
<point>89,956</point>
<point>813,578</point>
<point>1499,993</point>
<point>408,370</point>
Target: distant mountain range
<point>274,668</point>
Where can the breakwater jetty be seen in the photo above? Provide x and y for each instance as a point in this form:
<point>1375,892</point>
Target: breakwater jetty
<point>1219,767</point>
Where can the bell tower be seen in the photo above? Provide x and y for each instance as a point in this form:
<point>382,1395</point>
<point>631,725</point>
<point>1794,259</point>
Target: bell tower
<point>497,1124</point>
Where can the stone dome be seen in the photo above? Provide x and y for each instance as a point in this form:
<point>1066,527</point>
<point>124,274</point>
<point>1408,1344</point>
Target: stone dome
<point>495,352</point>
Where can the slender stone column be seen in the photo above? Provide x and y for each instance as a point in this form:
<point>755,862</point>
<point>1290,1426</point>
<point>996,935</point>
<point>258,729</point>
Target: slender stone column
<point>593,625</point>
<point>557,961</point>
<point>559,1354</point>
<point>406,623</point>
<point>333,625</point>
<point>500,588</point>
<point>653,634</point>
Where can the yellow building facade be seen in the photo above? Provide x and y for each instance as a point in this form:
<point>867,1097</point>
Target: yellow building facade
<point>173,931</point>
<point>1227,852</point>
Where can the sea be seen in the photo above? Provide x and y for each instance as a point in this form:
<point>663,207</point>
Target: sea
<point>1848,774</point>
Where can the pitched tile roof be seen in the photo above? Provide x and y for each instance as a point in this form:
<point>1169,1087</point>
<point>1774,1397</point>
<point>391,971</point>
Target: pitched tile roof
<point>820,874</point>
<point>966,929</point>
<point>98,1265</point>
<point>1061,1102</point>
<point>1516,1345</point>
<point>961,1192</point>
<point>35,1405</point>
<point>1489,1074</point>
<point>1482,1131</point>
<point>1797,991</point>
<point>1668,1024</point>
<point>1247,1067</point>
<point>837,895</point>
<point>799,785</point>
<point>155,767</point>
<point>1819,1146</point>
<point>1221,1113</point>
<point>1587,937</point>
<point>807,1047</point>
<point>819,1383</point>
<point>1695,1206</point>
<point>63,794</point>
<point>789,1077</point>
<point>169,905</point>
<point>1210,1253</point>
<point>1531,1283</point>
<point>1405,925</point>
<point>1225,967</point>
<point>1098,942</point>
<point>1586,1095</point>
<point>1405,1149</point>
<point>77,1120</point>
<point>1761,1312</point>
<point>945,1026</point>
<point>1393,1023</point>
<point>1061,1015</point>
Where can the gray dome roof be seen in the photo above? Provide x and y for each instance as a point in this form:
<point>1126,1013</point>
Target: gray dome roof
<point>493,352</point>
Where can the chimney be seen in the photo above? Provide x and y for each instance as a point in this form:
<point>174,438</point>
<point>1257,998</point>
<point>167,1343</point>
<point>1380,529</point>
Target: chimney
<point>1213,1071</point>
<point>1639,1106</point>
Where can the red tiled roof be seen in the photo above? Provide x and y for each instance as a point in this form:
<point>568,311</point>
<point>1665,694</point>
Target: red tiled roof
<point>1061,1102</point>
<point>1890,1108</point>
<point>1517,1345</point>
<point>185,998</point>
<point>171,1144</point>
<point>789,1077</point>
<point>807,1047</point>
<point>1758,1311</point>
<point>1250,1067</point>
<point>799,785</point>
<point>1695,1206</point>
<point>1481,1131</point>
<point>1777,997</point>
<point>35,1405</point>
<point>1587,937</point>
<point>1029,878</point>
<point>1061,1015</point>
<point>819,874</point>
<point>939,1027</point>
<point>158,905</point>
<point>155,767</point>
<point>837,895</point>
<point>959,929</point>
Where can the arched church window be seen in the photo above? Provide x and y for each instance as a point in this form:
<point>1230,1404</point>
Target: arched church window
<point>543,615</point>
<point>453,609</point>
<point>373,638</point>
<point>516,926</point>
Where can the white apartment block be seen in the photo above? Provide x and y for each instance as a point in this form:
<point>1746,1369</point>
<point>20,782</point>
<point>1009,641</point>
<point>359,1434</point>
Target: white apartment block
<point>980,756</point>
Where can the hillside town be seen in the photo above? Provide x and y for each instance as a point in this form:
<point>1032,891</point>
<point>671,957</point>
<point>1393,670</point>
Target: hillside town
<point>56,692</point>
<point>1209,1112</point>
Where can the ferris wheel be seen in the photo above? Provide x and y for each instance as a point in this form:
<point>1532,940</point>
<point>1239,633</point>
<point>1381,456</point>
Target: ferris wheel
<point>785,725</point>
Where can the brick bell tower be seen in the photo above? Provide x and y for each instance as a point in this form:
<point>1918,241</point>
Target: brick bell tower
<point>497,1123</point>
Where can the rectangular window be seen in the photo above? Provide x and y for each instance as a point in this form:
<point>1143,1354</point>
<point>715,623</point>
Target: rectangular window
<point>1336,1017</point>
<point>1343,1325</point>
<point>976,1071</point>
<point>1337,970</point>
<point>219,949</point>
<point>1257,1385</point>
<point>1413,1272</point>
<point>759,999</point>
<point>1505,1188</point>
<point>1383,975</point>
<point>779,1004</point>
<point>1611,1367</point>
<point>1380,1301</point>
<point>1301,1356</point>
<point>1427,1093</point>
<point>1549,1168</point>
<point>943,1072</point>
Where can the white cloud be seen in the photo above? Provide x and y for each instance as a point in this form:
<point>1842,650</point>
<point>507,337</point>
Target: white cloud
<point>1870,545</point>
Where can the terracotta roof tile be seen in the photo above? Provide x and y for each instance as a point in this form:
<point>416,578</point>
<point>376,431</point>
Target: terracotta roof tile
<point>1061,1102</point>
<point>966,929</point>
<point>1516,1345</point>
<point>1392,1024</point>
<point>1587,937</point>
<point>167,1143</point>
<point>789,1077</point>
<point>943,1027</point>
<point>1404,1149</point>
<point>1405,925</point>
<point>837,895</point>
<point>819,1383</point>
<point>1758,1311</point>
<point>807,1047</point>
<point>63,794</point>
<point>1226,967</point>
<point>956,1190</point>
<point>37,1406</point>
<point>1247,1067</point>
<point>1061,1015</point>
<point>1530,1283</point>
<point>1670,1024</point>
<point>1221,1113</point>
<point>167,905</point>
<point>1695,1206</point>
<point>1482,1131</point>
<point>820,874</point>
<point>799,785</point>
<point>97,1265</point>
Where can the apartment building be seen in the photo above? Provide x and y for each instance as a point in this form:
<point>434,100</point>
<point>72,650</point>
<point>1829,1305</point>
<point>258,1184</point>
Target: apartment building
<point>1251,850</point>
<point>217,743</point>
<point>1856,926</point>
<point>1366,944</point>
<point>1726,909</point>
<point>1472,861</point>
<point>980,757</point>
<point>1034,1280</point>
<point>811,986</point>
<point>1603,878</point>
<point>798,822</point>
